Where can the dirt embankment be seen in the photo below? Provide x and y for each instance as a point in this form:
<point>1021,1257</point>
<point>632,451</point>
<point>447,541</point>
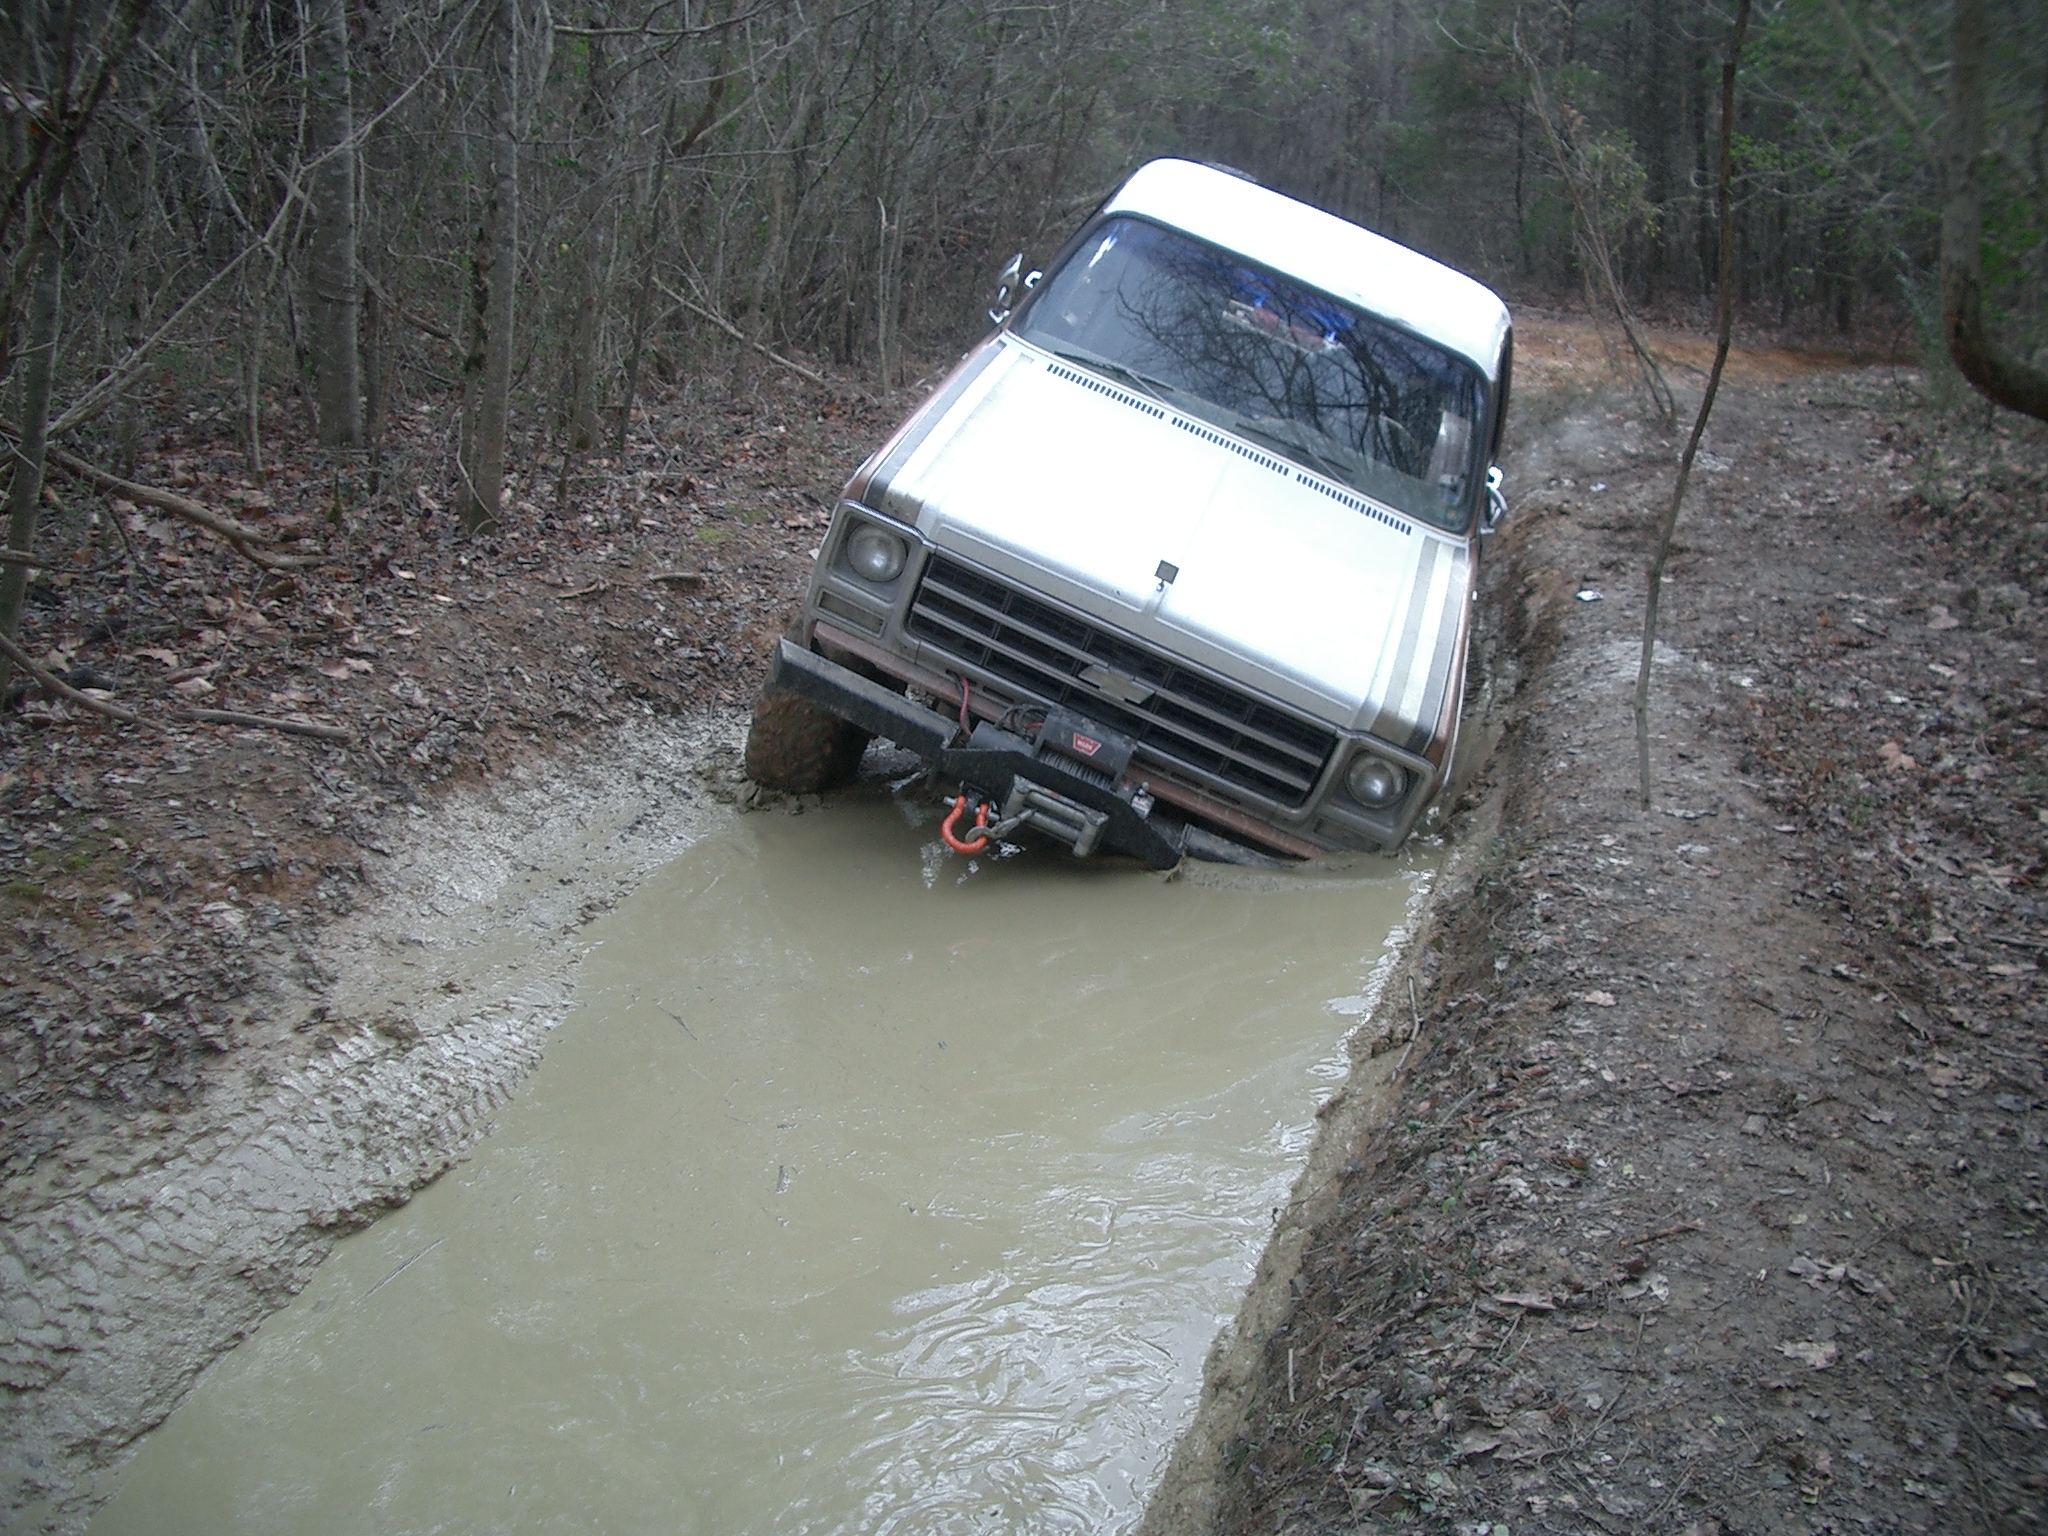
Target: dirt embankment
<point>1711,1197</point>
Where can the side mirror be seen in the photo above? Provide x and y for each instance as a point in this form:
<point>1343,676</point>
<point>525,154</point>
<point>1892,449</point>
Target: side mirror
<point>1007,284</point>
<point>1496,501</point>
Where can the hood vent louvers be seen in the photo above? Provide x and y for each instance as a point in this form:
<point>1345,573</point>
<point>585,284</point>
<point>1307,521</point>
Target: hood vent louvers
<point>1211,435</point>
<point>1102,386</point>
<point>1356,503</point>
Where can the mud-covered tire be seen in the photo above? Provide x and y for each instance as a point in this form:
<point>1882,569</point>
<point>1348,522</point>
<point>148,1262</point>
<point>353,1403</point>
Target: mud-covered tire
<point>798,748</point>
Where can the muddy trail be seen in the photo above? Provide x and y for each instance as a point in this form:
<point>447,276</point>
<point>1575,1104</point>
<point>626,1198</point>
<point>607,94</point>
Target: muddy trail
<point>1701,1185</point>
<point>1714,1199</point>
<point>833,1207</point>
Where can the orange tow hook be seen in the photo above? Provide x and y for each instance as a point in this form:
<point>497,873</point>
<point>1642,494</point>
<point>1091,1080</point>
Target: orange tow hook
<point>953,840</point>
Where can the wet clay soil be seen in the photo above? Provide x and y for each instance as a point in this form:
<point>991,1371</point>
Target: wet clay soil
<point>1714,1199</point>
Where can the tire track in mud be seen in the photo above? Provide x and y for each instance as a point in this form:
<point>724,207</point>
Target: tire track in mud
<point>431,1002</point>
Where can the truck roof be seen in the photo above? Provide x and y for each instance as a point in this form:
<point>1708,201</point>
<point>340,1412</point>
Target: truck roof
<point>1354,264</point>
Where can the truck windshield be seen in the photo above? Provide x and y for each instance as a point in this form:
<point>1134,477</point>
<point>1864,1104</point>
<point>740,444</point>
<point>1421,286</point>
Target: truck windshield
<point>1296,371</point>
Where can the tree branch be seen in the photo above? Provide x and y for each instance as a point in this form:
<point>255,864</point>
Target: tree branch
<point>737,334</point>
<point>239,536</point>
<point>53,684</point>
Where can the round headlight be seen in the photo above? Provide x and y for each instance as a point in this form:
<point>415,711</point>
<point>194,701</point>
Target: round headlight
<point>1374,781</point>
<point>874,554</point>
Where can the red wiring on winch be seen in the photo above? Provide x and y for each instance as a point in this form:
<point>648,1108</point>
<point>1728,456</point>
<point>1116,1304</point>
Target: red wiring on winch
<point>965,728</point>
<point>956,843</point>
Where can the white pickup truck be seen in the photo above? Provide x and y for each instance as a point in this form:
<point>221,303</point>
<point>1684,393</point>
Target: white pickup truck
<point>1180,559</point>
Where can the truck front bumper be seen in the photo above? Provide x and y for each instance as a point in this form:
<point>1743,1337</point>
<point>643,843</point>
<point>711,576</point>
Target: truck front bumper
<point>991,762</point>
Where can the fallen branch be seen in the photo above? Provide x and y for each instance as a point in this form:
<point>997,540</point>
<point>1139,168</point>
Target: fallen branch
<point>737,334</point>
<point>22,557</point>
<point>1663,1232</point>
<point>240,536</point>
<point>417,322</point>
<point>340,733</point>
<point>54,684</point>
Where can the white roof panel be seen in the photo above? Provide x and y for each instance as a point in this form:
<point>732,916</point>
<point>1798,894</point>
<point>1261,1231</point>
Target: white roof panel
<point>1354,264</point>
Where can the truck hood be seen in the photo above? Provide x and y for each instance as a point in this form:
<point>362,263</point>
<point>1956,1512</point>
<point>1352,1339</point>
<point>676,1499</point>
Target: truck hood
<point>1183,536</point>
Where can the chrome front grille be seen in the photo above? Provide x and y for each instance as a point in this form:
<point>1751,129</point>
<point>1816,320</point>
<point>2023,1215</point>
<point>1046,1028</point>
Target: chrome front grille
<point>1211,732</point>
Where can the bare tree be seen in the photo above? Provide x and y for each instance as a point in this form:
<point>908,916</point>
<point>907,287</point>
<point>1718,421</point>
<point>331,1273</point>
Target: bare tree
<point>1588,165</point>
<point>26,487</point>
<point>1996,373</point>
<point>331,266</point>
<point>494,271</point>
<point>1723,331</point>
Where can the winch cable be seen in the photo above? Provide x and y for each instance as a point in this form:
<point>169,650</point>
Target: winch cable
<point>965,689</point>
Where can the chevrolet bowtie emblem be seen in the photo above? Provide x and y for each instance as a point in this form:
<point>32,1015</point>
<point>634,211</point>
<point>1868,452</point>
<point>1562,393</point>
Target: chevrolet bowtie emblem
<point>1115,685</point>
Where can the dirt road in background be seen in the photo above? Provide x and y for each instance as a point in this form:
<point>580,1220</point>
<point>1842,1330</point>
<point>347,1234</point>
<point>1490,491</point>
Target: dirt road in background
<point>1712,1200</point>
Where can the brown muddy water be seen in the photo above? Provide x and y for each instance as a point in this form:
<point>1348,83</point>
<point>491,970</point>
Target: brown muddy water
<point>868,1189</point>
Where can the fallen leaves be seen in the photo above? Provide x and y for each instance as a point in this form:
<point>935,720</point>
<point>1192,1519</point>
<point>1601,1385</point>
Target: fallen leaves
<point>1828,1277</point>
<point>1478,1442</point>
<point>1818,1355</point>
<point>1654,1286</point>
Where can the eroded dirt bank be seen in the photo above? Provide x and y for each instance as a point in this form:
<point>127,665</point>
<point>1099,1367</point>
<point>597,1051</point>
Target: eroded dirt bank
<point>1710,1199</point>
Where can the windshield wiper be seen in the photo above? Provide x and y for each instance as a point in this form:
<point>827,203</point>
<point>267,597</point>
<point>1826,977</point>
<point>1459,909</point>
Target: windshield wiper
<point>1158,389</point>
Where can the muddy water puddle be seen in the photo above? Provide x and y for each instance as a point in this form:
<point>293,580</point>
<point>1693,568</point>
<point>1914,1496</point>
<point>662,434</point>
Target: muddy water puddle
<point>866,1191</point>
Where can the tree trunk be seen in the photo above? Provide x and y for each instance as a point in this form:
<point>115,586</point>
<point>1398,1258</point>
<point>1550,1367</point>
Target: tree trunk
<point>332,246</point>
<point>581,429</point>
<point>587,254</point>
<point>496,269</point>
<point>650,224</point>
<point>45,311</point>
<point>888,261</point>
<point>1996,373</point>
